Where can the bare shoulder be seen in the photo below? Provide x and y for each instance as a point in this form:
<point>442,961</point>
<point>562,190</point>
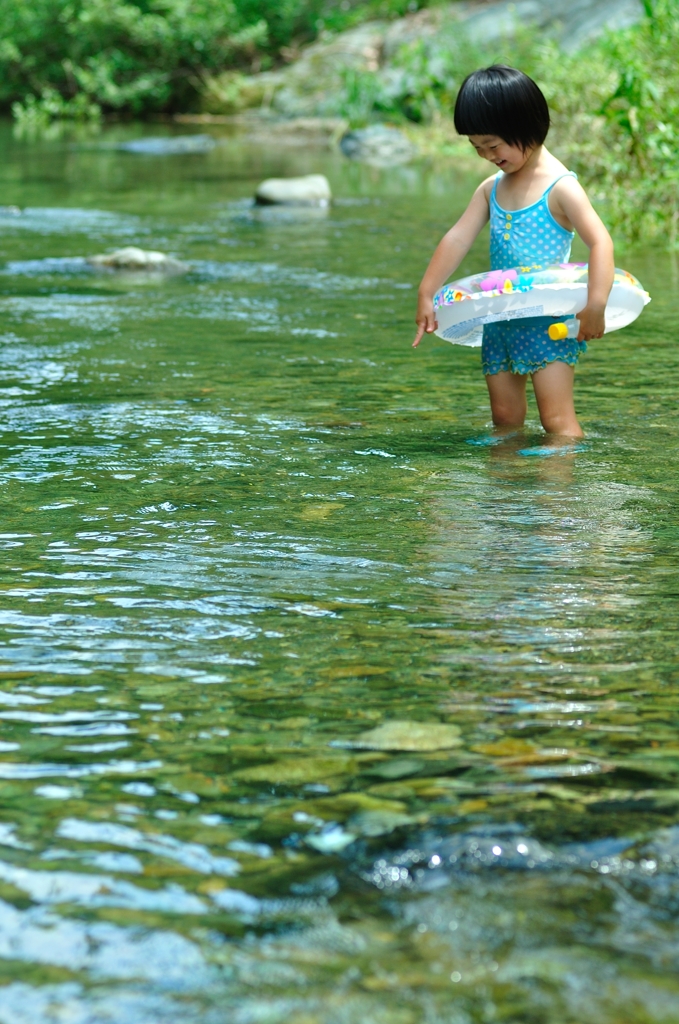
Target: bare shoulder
<point>574,211</point>
<point>568,201</point>
<point>486,187</point>
<point>568,189</point>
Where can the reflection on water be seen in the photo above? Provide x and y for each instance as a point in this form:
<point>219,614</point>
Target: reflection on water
<point>242,524</point>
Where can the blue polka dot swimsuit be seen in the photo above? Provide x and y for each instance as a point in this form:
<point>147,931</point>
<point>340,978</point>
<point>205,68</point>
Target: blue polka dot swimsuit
<point>523,238</point>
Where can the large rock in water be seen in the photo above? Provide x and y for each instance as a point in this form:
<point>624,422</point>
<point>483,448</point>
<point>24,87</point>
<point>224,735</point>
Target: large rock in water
<point>309,190</point>
<point>132,258</point>
<point>378,145</point>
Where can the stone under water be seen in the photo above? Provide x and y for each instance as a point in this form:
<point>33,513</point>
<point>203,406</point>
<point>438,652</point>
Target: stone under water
<point>177,145</point>
<point>133,258</point>
<point>409,736</point>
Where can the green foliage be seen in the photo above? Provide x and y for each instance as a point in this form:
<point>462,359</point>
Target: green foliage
<point>292,22</point>
<point>139,56</point>
<point>616,113</point>
<point>642,115</point>
<point>51,114</point>
<point>362,96</point>
<point>134,56</point>
<point>419,85</point>
<point>426,76</point>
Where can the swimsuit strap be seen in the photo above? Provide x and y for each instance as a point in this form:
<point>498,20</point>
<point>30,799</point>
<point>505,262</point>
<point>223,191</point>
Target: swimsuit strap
<point>545,194</point>
<point>566,174</point>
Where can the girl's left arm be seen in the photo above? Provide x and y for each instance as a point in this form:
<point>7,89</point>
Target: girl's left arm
<point>572,199</point>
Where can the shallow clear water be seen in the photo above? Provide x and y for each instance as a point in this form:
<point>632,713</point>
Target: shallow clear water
<point>242,524</point>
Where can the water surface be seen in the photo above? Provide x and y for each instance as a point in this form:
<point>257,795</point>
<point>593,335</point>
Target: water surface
<point>242,524</point>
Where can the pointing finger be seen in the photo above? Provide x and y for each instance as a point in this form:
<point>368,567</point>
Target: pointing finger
<point>419,335</point>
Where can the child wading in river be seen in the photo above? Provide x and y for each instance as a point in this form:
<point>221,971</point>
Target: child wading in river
<point>534,205</point>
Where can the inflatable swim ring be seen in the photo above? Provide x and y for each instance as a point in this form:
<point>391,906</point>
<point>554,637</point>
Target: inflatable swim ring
<point>559,291</point>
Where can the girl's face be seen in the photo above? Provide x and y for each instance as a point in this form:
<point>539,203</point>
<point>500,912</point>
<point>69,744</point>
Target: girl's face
<point>508,158</point>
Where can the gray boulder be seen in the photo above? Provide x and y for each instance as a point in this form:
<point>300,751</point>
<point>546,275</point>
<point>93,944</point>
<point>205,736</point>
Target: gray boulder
<point>132,258</point>
<point>309,190</point>
<point>378,145</point>
<point>573,24</point>
<point>310,85</point>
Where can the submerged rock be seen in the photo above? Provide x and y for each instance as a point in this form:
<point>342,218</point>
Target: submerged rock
<point>378,144</point>
<point>295,770</point>
<point>309,190</point>
<point>432,858</point>
<point>663,849</point>
<point>331,840</point>
<point>396,768</point>
<point>379,822</point>
<point>169,146</point>
<point>132,258</point>
<point>344,805</point>
<point>234,901</point>
<point>409,736</point>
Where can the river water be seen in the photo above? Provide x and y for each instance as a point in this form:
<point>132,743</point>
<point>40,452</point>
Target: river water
<point>244,525</point>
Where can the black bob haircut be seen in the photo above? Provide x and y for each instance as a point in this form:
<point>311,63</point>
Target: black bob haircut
<point>502,101</point>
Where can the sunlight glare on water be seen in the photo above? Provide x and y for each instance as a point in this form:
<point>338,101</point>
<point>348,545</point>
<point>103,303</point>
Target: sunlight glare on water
<point>244,528</point>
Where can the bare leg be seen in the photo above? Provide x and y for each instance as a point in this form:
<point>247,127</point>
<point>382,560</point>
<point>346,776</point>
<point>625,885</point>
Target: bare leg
<point>507,393</point>
<point>553,387</point>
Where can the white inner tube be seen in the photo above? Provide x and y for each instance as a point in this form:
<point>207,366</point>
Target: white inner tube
<point>559,291</point>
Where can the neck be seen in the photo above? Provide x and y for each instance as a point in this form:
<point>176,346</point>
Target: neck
<point>534,157</point>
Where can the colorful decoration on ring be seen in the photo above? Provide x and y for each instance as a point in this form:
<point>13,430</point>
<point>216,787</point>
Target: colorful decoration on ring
<point>558,291</point>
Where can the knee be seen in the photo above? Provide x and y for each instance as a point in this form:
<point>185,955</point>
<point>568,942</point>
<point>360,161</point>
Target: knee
<point>508,415</point>
<point>560,423</point>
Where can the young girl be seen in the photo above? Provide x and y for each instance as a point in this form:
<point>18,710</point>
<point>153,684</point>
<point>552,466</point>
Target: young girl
<point>534,205</point>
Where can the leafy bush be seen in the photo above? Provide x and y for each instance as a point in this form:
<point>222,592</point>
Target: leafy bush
<point>642,118</point>
<point>51,113</point>
<point>133,56</point>
<point>139,56</point>
<point>292,22</point>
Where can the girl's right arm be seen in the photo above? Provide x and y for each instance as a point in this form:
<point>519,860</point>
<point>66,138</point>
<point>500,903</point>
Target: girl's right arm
<point>449,253</point>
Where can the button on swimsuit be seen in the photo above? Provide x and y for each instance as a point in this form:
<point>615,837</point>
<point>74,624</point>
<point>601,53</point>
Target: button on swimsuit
<point>526,237</point>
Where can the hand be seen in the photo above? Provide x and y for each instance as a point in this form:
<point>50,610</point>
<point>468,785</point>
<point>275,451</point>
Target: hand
<point>592,323</point>
<point>425,319</point>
